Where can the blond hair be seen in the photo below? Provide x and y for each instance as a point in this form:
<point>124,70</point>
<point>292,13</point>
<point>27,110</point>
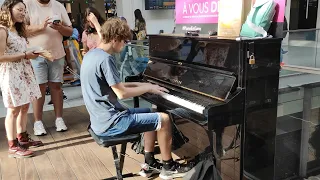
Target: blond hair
<point>115,29</point>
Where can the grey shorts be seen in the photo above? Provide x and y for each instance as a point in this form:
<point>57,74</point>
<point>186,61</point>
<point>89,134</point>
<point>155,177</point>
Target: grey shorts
<point>48,71</point>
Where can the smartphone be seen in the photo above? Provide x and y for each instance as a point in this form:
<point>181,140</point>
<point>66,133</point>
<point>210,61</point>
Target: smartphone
<point>56,22</point>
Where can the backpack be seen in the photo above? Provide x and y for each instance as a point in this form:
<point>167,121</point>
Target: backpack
<point>259,19</point>
<point>204,170</point>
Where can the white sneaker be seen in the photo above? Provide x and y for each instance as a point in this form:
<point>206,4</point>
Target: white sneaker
<point>61,126</point>
<point>38,129</point>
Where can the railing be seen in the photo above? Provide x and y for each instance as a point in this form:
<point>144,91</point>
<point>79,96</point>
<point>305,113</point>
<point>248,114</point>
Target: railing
<point>133,59</point>
<point>301,48</point>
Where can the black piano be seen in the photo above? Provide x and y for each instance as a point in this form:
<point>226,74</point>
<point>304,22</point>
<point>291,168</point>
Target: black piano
<point>217,83</point>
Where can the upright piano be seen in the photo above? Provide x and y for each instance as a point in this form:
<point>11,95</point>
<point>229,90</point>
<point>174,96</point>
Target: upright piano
<point>216,83</point>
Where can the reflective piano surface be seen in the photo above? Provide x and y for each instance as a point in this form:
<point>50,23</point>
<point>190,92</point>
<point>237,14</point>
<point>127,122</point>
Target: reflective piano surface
<point>216,95</point>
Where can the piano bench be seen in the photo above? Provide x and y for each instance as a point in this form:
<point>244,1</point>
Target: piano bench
<point>112,142</point>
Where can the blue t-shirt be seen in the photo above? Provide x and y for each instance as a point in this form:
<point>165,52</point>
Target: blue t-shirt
<point>98,74</point>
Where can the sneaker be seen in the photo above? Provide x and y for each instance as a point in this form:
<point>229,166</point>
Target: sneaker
<point>176,171</point>
<point>25,140</point>
<point>18,151</point>
<point>39,129</point>
<point>149,170</point>
<point>60,125</point>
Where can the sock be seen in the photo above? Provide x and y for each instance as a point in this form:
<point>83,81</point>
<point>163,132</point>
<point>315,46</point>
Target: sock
<point>149,157</point>
<point>168,164</point>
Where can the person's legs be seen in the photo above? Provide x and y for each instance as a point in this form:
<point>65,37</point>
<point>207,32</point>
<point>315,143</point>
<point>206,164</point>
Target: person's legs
<point>40,68</point>
<point>23,136</point>
<point>139,122</point>
<point>149,137</point>
<point>15,150</point>
<point>165,137</point>
<point>55,79</point>
<point>22,119</point>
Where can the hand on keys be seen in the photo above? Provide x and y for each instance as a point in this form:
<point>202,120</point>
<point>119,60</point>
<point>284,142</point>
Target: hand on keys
<point>156,89</point>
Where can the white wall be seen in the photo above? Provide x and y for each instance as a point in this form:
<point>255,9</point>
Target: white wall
<point>155,19</point>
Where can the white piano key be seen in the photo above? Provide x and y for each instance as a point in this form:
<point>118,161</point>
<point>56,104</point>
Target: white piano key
<point>185,103</point>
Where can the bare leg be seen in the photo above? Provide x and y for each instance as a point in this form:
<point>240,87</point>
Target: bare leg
<point>22,119</point>
<point>150,137</point>
<point>56,97</point>
<point>149,141</point>
<point>165,137</point>
<point>37,105</point>
<point>11,122</point>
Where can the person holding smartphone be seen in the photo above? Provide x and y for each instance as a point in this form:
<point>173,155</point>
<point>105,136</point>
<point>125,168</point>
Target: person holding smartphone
<point>47,22</point>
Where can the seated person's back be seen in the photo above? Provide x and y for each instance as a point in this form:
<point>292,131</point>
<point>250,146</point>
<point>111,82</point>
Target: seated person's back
<point>100,100</point>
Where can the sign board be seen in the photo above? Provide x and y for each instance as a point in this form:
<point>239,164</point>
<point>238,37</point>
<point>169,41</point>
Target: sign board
<point>207,11</point>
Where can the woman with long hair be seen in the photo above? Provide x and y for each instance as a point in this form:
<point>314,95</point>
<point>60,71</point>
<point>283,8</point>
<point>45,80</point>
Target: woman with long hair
<point>92,26</point>
<point>17,80</point>
<point>140,31</point>
<point>140,25</point>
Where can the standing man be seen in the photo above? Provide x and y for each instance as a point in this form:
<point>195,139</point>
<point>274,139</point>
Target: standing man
<point>47,23</point>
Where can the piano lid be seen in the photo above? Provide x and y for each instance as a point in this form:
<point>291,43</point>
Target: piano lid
<point>201,80</point>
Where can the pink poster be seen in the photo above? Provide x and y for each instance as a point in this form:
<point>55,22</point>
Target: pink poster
<point>196,11</point>
<point>281,8</point>
<point>206,11</point>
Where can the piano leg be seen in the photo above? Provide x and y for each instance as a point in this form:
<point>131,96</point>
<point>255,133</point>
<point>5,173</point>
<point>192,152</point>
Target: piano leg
<point>136,102</point>
<point>215,138</point>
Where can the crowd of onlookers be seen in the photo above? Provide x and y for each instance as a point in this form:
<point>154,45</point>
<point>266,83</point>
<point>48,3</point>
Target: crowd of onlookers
<point>29,28</point>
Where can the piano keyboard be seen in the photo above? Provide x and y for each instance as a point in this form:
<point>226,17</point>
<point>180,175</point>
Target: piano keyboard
<point>185,103</point>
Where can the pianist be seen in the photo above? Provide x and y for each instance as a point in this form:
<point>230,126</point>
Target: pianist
<point>101,88</point>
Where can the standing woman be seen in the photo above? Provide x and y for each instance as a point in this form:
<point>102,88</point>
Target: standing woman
<point>140,31</point>
<point>140,25</point>
<point>92,26</point>
<point>17,80</point>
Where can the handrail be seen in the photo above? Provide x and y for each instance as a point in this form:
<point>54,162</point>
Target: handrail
<point>136,41</point>
<point>302,30</point>
<point>302,69</point>
<point>137,45</point>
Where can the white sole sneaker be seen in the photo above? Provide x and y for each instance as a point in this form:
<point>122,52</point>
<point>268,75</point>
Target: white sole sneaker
<point>60,125</point>
<point>38,133</point>
<point>61,129</point>
<point>39,129</point>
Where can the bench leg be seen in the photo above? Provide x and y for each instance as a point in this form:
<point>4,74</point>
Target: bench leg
<point>122,155</point>
<point>117,162</point>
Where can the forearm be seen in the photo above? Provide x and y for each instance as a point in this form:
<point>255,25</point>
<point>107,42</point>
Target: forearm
<point>98,29</point>
<point>133,92</point>
<point>34,29</point>
<point>65,31</point>
<point>12,58</point>
<point>134,84</point>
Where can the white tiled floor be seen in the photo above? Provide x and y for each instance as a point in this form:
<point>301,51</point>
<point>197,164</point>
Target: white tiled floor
<point>73,94</point>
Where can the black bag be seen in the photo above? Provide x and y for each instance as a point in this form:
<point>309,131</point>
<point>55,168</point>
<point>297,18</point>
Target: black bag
<point>204,170</point>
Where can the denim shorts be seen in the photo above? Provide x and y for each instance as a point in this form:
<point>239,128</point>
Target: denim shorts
<point>48,71</point>
<point>138,120</point>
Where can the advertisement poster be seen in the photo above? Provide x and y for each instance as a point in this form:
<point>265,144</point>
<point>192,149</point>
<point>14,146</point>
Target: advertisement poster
<point>206,11</point>
<point>196,11</point>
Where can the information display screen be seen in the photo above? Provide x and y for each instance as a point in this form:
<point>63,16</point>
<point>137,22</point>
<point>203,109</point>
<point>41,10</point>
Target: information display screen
<point>159,4</point>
